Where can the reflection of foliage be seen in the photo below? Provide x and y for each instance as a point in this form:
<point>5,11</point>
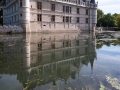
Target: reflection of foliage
<point>98,46</point>
<point>106,39</point>
<point>118,20</point>
<point>116,42</point>
<point>107,43</point>
<point>102,87</point>
<point>114,82</point>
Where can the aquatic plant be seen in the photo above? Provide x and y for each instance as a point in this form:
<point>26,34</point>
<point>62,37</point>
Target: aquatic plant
<point>114,82</point>
<point>102,87</point>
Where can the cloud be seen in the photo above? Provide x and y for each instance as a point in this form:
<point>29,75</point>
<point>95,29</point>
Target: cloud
<point>108,57</point>
<point>111,49</point>
<point>109,6</point>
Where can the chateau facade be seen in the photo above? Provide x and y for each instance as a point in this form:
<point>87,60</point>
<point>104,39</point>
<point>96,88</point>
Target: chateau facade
<point>51,15</point>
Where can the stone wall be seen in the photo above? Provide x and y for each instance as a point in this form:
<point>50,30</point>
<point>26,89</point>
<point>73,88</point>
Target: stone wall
<point>13,29</point>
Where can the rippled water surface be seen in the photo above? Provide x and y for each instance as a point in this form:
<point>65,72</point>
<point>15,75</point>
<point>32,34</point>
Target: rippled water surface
<point>69,61</point>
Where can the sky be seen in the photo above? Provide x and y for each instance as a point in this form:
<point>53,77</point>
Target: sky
<point>109,6</point>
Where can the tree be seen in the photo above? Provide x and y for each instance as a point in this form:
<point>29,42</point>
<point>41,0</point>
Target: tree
<point>100,15</point>
<point>118,20</point>
<point>109,20</point>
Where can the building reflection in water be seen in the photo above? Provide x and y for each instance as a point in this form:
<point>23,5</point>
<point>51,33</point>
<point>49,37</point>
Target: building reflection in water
<point>38,59</point>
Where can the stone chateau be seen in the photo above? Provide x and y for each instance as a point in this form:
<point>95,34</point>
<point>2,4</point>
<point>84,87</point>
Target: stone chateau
<point>51,15</point>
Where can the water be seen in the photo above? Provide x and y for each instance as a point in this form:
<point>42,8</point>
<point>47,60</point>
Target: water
<point>68,61</point>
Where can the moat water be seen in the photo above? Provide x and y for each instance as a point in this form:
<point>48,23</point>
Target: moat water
<point>69,61</point>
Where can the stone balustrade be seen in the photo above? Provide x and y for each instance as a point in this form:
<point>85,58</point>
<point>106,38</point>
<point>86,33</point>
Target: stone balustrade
<point>75,2</point>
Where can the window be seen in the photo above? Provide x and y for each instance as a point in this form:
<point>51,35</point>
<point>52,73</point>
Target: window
<point>39,5</point>
<point>40,46</point>
<point>70,19</point>
<point>86,20</point>
<point>15,7</point>
<point>53,18</point>
<point>21,14</point>
<point>78,1</point>
<point>53,7</point>
<point>77,51</point>
<point>20,3</point>
<point>53,45</point>
<point>53,56</point>
<point>67,9</point>
<point>86,11</point>
<point>39,17</point>
<point>63,19</point>
<point>15,18</point>
<point>12,9</point>
<point>77,20</point>
<point>77,42</point>
<point>63,8</point>
<point>12,19</point>
<point>67,19</point>
<point>77,10</point>
<point>70,9</point>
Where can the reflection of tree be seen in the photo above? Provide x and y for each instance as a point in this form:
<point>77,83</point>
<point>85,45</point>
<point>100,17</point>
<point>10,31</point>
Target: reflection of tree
<point>98,46</point>
<point>107,43</point>
<point>102,40</point>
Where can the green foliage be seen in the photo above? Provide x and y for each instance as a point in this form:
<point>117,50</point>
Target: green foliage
<point>107,20</point>
<point>118,20</point>
<point>100,14</point>
<point>110,20</point>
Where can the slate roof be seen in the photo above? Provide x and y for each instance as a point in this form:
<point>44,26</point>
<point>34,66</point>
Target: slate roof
<point>92,1</point>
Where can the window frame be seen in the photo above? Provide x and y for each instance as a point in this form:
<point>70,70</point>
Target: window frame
<point>39,5</point>
<point>52,18</point>
<point>87,20</point>
<point>77,19</point>
<point>78,12</point>
<point>53,7</point>
<point>39,17</point>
